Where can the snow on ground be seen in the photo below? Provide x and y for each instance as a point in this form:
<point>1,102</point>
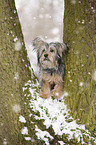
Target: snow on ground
<point>54,112</point>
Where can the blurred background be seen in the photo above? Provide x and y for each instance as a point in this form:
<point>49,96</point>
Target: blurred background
<point>40,18</point>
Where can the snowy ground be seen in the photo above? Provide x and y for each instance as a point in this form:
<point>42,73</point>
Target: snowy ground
<point>55,114</point>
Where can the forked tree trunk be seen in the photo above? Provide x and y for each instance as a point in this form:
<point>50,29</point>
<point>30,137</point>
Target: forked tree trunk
<point>80,74</point>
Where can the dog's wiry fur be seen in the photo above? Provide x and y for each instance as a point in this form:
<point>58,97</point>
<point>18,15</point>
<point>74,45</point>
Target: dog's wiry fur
<point>51,67</point>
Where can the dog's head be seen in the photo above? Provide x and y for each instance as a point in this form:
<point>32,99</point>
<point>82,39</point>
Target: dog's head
<point>49,54</point>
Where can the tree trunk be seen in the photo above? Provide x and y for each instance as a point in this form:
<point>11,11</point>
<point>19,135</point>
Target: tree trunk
<point>16,79</point>
<point>14,74</point>
<point>80,71</point>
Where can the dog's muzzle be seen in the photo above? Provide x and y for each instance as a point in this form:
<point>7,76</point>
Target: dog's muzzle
<point>46,57</point>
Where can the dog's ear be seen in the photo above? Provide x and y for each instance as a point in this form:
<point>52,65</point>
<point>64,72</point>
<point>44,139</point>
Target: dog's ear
<point>62,48</point>
<point>37,42</point>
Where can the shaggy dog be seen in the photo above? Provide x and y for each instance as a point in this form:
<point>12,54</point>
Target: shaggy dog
<point>51,67</point>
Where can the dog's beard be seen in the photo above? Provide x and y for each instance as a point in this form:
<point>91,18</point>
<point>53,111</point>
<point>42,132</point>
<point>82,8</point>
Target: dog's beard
<point>46,63</point>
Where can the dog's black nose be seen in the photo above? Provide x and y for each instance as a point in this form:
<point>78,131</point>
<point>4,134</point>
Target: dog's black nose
<point>46,55</point>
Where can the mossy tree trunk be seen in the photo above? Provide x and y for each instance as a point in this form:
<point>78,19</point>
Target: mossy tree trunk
<point>14,73</point>
<point>80,77</point>
<point>80,73</point>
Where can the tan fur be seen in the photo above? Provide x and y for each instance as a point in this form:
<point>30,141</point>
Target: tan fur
<point>48,80</point>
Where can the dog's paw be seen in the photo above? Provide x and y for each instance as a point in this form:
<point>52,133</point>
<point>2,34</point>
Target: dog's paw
<point>57,91</point>
<point>44,95</point>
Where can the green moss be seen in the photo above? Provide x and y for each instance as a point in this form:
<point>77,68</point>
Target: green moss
<point>80,62</point>
<point>13,74</point>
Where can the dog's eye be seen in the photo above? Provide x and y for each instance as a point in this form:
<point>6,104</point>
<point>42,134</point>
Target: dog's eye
<point>43,50</point>
<point>51,50</point>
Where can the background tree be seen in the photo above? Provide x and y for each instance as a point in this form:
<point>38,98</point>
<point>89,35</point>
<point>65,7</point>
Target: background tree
<point>80,77</point>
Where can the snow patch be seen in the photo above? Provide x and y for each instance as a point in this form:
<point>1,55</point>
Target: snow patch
<point>22,119</point>
<point>24,131</point>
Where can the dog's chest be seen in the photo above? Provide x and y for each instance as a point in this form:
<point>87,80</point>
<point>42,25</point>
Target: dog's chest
<point>51,77</point>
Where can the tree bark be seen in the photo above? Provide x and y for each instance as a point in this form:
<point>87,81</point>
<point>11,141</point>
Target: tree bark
<point>14,74</point>
<point>80,71</point>
<point>80,77</point>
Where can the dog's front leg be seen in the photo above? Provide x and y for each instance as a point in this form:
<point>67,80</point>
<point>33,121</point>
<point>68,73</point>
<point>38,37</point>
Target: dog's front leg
<point>58,90</point>
<point>45,90</point>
